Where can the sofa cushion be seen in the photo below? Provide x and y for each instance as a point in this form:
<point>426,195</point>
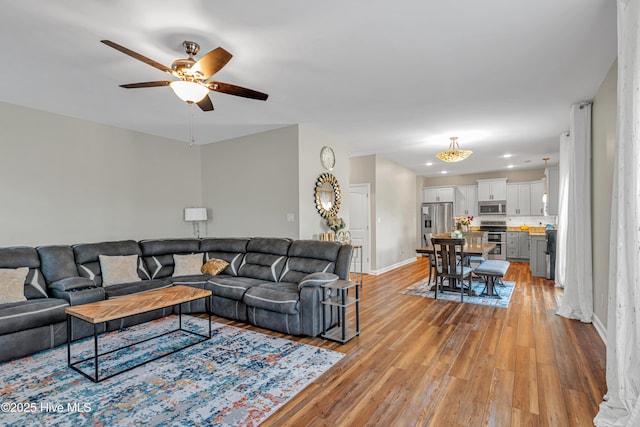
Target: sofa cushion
<point>187,265</point>
<point>25,256</point>
<point>214,266</point>
<point>280,297</point>
<point>229,250</point>
<point>123,289</point>
<point>315,280</point>
<point>118,269</point>
<point>231,287</point>
<point>19,316</point>
<point>57,262</point>
<point>158,254</point>
<point>266,267</point>
<point>87,257</point>
<point>197,280</point>
<point>309,256</point>
<point>12,284</point>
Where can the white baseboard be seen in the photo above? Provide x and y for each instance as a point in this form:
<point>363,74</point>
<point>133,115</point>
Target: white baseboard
<point>393,267</point>
<point>602,331</point>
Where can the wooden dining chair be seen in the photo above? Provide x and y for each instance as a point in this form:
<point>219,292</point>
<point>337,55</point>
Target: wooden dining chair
<point>451,265</point>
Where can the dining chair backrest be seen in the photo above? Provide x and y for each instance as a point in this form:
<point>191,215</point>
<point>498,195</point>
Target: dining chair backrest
<point>450,253</point>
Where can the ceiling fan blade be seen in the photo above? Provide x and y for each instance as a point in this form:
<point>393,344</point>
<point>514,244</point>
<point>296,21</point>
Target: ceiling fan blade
<point>146,84</point>
<point>212,62</point>
<point>237,91</point>
<point>137,56</point>
<point>205,104</point>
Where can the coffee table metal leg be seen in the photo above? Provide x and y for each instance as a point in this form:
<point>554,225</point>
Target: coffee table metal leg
<point>179,316</point>
<point>207,303</point>
<point>95,349</point>
<point>68,340</point>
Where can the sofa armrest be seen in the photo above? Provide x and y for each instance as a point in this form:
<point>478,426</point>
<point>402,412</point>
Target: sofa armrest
<point>72,283</point>
<point>315,280</point>
<point>80,296</point>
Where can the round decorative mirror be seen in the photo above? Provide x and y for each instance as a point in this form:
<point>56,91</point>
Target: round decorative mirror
<point>327,195</point>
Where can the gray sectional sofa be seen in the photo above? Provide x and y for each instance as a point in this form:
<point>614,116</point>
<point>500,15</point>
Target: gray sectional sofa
<point>272,283</point>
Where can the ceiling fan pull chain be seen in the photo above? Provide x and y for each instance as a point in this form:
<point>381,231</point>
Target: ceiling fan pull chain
<point>192,139</point>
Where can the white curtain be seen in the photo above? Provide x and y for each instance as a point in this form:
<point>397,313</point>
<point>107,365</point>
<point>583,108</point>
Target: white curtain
<point>577,300</point>
<point>621,406</point>
<point>563,202</point>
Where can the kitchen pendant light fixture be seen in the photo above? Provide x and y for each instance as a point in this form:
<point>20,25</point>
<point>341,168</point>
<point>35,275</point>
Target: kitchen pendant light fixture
<point>454,153</point>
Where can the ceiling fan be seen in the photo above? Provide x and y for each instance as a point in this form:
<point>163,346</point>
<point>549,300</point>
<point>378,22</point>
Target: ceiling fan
<point>193,84</point>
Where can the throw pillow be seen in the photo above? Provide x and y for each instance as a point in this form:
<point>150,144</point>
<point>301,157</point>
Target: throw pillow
<point>214,266</point>
<point>12,284</point>
<point>119,269</point>
<point>187,265</point>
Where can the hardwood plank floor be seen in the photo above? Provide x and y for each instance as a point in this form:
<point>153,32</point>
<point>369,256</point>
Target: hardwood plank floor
<point>428,362</point>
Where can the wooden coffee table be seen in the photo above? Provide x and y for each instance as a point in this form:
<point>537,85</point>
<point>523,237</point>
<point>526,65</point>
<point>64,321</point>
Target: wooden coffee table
<point>130,305</point>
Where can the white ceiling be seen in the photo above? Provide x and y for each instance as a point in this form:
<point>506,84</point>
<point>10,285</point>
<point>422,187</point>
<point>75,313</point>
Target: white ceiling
<point>394,78</point>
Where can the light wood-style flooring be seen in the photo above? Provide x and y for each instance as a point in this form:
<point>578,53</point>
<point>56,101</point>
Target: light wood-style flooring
<point>424,362</point>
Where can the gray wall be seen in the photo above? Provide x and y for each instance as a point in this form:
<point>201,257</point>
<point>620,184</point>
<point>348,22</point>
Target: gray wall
<point>251,183</point>
<point>64,180</point>
<point>310,143</point>
<point>602,162</point>
<point>393,213</point>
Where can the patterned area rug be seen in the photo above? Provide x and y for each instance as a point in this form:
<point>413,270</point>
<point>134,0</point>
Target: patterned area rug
<point>423,289</point>
<point>237,378</point>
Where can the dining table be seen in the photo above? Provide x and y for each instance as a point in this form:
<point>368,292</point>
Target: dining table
<point>469,249</point>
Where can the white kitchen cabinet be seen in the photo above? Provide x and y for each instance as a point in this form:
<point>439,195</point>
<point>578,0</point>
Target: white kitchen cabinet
<point>537,191</point>
<point>519,199</point>
<point>492,189</point>
<point>438,194</point>
<point>466,203</point>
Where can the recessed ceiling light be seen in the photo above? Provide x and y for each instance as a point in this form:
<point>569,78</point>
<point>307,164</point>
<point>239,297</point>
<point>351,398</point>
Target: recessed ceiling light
<point>506,156</point>
<point>510,166</point>
<point>429,163</point>
<point>443,172</point>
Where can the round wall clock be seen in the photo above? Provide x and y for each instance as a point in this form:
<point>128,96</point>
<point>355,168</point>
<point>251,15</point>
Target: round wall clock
<point>327,158</point>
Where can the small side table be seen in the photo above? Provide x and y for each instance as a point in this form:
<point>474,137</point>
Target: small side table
<point>336,294</point>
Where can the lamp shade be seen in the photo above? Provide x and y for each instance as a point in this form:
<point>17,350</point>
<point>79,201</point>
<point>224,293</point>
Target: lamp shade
<point>189,91</point>
<point>195,214</point>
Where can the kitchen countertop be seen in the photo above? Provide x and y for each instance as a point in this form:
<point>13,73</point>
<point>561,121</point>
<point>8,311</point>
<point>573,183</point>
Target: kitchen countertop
<point>533,231</point>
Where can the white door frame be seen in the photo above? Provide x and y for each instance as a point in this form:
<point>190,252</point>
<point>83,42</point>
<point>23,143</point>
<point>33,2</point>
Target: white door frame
<point>366,248</point>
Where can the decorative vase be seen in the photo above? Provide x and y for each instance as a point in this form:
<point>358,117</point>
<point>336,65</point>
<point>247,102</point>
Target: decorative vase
<point>465,228</point>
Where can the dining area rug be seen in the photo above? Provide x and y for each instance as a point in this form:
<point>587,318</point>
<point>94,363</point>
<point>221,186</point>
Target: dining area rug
<point>424,289</point>
<point>237,378</point>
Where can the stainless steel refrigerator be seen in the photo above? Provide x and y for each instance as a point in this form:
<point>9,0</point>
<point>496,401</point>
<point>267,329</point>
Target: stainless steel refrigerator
<point>436,218</point>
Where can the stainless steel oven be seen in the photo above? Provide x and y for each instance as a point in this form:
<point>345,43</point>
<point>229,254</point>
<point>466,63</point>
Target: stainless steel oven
<point>496,233</point>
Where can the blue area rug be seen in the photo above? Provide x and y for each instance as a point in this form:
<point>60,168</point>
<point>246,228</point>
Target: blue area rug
<point>237,378</point>
<point>423,289</point>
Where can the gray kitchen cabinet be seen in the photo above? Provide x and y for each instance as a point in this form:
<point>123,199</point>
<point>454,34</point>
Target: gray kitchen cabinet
<point>537,261</point>
<point>518,245</point>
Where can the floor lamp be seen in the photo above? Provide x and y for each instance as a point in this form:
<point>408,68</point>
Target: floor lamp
<point>195,215</point>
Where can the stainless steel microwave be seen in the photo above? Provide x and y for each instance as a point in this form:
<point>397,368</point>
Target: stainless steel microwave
<point>494,207</point>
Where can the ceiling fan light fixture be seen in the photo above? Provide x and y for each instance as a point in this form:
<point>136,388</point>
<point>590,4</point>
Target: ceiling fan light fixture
<point>189,91</point>
<point>454,153</point>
